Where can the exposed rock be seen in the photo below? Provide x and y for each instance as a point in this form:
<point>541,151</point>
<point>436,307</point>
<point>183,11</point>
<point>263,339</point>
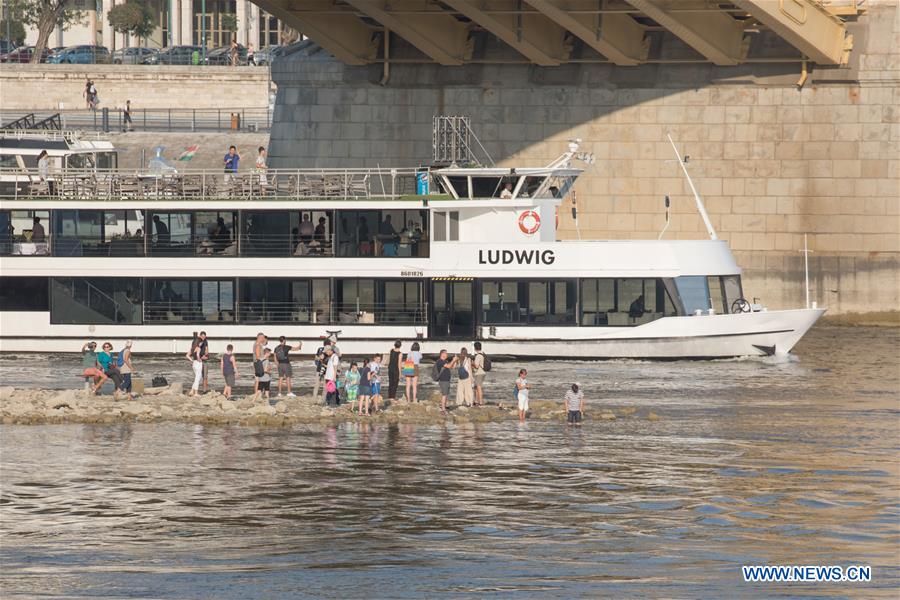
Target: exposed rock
<point>652,416</point>
<point>607,416</point>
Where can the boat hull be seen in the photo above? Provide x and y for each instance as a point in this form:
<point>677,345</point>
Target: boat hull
<point>695,337</point>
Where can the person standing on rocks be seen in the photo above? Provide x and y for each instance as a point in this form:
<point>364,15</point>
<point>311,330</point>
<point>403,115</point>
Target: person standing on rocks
<point>464,395</point>
<point>411,372</point>
<point>478,374</point>
<point>522,387</point>
<point>394,360</point>
<point>126,368</point>
<point>574,405</point>
<point>91,367</point>
<point>332,364</point>
<point>258,347</point>
<point>193,355</point>
<point>375,381</point>
<point>365,387</point>
<point>283,360</point>
<point>229,370</point>
<point>264,381</point>
<point>443,371</point>
<point>204,357</point>
<point>351,384</point>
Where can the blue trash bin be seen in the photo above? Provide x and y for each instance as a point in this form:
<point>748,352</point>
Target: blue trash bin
<point>422,183</point>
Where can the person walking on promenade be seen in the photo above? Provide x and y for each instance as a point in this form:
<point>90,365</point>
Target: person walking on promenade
<point>88,93</point>
<point>574,405</point>
<point>375,381</point>
<point>522,387</point>
<point>229,370</point>
<point>91,368</point>
<point>204,357</point>
<point>233,52</point>
<point>127,123</point>
<point>126,368</point>
<point>283,360</point>
<point>442,374</point>
<point>193,355</point>
<point>264,375</point>
<point>258,347</point>
<point>231,160</point>
<point>464,394</point>
<point>351,384</point>
<point>480,365</point>
<point>332,363</point>
<point>365,387</point>
<point>251,56</point>
<point>411,372</point>
<point>394,360</point>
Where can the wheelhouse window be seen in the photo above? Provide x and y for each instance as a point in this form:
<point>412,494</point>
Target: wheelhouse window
<point>98,233</point>
<point>24,294</point>
<point>535,302</point>
<point>285,301</point>
<point>624,302</point>
<point>25,232</point>
<point>694,293</point>
<point>204,301</point>
<point>95,300</point>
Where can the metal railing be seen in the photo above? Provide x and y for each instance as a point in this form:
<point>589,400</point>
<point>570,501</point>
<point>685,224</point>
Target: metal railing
<point>296,184</point>
<point>324,312</point>
<point>145,119</point>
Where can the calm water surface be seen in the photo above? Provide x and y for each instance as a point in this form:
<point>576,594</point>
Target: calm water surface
<point>789,461</point>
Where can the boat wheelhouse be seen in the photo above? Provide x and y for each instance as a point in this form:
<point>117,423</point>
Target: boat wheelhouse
<point>443,256</point>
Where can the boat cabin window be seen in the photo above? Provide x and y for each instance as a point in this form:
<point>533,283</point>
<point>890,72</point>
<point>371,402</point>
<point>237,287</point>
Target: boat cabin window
<point>382,233</point>
<point>731,284</point>
<point>98,233</point>
<point>714,291</point>
<point>171,233</point>
<point>624,302</point>
<point>80,161</point>
<point>24,294</point>
<point>446,226</point>
<point>202,301</point>
<point>215,233</point>
<point>285,300</point>
<point>534,302</point>
<point>25,232</point>
<point>99,300</point>
<point>694,293</point>
<point>10,161</point>
<point>107,161</point>
<point>378,301</point>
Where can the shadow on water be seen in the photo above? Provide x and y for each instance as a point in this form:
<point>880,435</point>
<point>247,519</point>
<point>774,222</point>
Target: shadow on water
<point>752,462</point>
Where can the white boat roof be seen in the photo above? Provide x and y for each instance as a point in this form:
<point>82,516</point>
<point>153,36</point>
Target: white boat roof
<point>508,172</point>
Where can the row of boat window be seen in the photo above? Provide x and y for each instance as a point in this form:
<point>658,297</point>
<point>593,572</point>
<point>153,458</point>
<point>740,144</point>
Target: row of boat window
<point>588,302</point>
<point>351,233</point>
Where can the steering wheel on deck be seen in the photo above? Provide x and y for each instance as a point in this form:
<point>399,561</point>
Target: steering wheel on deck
<point>740,306</point>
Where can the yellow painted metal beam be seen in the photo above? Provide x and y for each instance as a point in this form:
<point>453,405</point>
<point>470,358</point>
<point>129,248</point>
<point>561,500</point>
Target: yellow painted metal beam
<point>715,35</point>
<point>435,32</point>
<point>616,36</point>
<point>344,35</point>
<point>533,35</point>
<point>806,25</point>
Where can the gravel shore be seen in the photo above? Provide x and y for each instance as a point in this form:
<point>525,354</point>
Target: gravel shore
<point>32,406</point>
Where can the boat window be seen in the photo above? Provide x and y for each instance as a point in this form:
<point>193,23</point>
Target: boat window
<point>174,300</point>
<point>98,233</point>
<point>284,300</point>
<point>400,302</point>
<point>538,302</point>
<point>733,291</point>
<point>25,232</point>
<point>80,161</point>
<point>378,301</point>
<point>8,161</point>
<point>107,161</point>
<point>266,233</point>
<point>100,300</point>
<point>440,226</point>
<point>694,293</point>
<point>624,302</point>
<point>716,294</point>
<point>354,300</point>
<point>453,233</point>
<point>215,233</point>
<point>24,294</point>
<point>171,234</point>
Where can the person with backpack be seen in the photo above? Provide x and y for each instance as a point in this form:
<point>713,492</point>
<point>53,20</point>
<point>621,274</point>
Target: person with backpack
<point>441,373</point>
<point>125,369</point>
<point>411,372</point>
<point>464,394</point>
<point>332,367</point>
<point>258,347</point>
<point>262,370</point>
<point>283,360</point>
<point>480,366</point>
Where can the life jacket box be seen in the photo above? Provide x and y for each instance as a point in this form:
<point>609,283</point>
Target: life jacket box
<point>137,385</point>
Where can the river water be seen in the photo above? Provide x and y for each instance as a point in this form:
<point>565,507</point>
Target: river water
<point>759,461</point>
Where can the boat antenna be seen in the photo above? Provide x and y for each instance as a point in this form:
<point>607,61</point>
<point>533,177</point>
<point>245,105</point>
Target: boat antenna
<point>700,208</point>
<point>661,233</point>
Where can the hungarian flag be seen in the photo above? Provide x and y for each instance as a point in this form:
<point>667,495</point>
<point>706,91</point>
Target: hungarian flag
<point>188,153</point>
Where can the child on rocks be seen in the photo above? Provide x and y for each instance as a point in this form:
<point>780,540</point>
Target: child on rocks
<point>375,381</point>
<point>229,370</point>
<point>263,381</point>
<point>574,405</point>
<point>351,384</point>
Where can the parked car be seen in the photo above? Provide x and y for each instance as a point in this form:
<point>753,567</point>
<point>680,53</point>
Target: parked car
<point>132,56</point>
<point>173,55</point>
<point>82,55</point>
<point>5,47</point>
<point>222,55</point>
<point>265,56</point>
<point>56,50</point>
<point>22,54</point>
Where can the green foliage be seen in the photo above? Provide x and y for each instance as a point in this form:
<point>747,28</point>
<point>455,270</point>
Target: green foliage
<point>134,18</point>
<point>229,22</point>
<point>31,12</point>
<point>16,31</point>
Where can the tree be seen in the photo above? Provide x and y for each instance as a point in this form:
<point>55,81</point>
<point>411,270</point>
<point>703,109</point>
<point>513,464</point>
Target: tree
<point>16,31</point>
<point>229,22</point>
<point>134,18</point>
<point>45,15</point>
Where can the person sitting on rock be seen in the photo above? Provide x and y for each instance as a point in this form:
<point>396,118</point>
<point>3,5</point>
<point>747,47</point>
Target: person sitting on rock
<point>91,367</point>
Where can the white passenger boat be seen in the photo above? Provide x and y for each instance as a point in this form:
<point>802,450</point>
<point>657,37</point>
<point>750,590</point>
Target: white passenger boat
<point>444,256</point>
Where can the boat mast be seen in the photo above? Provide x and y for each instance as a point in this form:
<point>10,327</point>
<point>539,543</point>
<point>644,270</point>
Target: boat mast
<point>700,207</point>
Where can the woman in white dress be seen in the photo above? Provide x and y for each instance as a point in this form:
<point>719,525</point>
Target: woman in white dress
<point>262,168</point>
<point>523,387</point>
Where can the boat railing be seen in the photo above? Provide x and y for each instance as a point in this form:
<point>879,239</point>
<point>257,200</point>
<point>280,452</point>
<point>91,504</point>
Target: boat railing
<point>189,184</point>
<point>264,311</point>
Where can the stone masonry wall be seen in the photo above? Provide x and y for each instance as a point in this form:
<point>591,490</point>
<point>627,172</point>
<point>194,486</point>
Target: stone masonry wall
<point>51,87</point>
<point>773,162</point>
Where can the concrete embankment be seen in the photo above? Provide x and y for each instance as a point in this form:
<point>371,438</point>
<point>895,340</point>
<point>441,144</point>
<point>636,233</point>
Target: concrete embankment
<point>32,407</point>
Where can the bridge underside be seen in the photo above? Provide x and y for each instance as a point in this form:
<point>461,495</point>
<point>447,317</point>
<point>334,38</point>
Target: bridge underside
<point>555,32</point>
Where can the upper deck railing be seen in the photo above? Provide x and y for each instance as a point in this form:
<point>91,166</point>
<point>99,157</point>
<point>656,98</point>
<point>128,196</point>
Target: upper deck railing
<point>188,184</point>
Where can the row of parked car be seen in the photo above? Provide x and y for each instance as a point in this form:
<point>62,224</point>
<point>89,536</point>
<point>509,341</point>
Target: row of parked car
<point>173,55</point>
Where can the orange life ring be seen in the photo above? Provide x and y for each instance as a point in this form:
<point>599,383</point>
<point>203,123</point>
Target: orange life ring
<point>533,226</point>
